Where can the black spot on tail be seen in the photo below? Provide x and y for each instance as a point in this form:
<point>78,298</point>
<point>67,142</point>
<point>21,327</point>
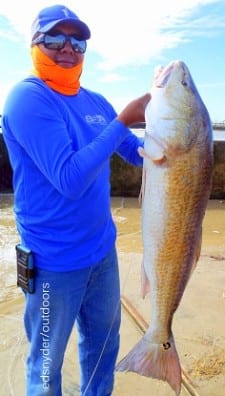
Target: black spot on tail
<point>166,345</point>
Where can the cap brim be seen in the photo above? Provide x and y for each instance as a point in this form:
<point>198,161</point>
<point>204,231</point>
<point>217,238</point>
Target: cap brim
<point>83,28</point>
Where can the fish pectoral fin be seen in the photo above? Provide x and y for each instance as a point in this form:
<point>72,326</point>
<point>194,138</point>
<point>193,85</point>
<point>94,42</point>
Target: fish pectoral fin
<point>160,161</point>
<point>152,360</point>
<point>145,284</point>
<point>156,150</point>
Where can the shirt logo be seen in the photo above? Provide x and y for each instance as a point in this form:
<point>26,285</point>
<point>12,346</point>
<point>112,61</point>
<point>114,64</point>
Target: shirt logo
<point>96,119</point>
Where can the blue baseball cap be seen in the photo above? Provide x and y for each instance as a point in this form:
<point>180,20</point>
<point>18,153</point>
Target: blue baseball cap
<point>51,16</point>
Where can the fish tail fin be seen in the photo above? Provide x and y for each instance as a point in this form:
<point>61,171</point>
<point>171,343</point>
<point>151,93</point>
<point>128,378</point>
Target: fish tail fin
<point>154,360</point>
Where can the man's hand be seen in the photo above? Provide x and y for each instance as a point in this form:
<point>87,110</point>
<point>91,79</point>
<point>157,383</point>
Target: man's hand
<point>134,112</point>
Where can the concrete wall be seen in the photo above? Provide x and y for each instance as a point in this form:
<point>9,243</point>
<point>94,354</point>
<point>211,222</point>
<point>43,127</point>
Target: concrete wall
<point>125,178</point>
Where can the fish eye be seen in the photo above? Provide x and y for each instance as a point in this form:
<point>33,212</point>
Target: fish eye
<point>184,83</point>
<point>185,80</point>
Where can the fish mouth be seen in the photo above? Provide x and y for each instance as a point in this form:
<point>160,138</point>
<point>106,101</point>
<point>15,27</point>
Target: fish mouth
<point>163,77</point>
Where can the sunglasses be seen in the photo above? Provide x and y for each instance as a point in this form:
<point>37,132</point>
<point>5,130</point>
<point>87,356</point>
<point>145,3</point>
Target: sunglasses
<point>58,42</point>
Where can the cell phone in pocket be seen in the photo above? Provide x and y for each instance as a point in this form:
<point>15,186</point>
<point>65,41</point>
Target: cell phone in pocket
<point>25,268</point>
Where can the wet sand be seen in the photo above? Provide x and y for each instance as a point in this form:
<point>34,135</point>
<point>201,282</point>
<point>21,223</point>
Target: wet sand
<point>198,326</point>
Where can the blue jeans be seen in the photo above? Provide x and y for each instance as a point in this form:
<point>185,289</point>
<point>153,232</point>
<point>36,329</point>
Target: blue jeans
<point>91,297</point>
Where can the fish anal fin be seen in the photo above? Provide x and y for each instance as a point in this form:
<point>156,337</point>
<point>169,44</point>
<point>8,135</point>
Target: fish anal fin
<point>152,360</point>
<point>145,284</point>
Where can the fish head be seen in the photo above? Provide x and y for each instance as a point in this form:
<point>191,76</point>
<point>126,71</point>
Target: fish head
<point>176,87</point>
<point>175,114</point>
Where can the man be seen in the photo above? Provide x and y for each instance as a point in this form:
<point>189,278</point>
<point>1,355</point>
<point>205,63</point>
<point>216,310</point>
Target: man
<point>60,137</point>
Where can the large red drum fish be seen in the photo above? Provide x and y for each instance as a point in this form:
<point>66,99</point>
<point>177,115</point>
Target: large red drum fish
<point>177,177</point>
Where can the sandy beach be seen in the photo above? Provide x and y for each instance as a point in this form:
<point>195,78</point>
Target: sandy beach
<point>198,325</point>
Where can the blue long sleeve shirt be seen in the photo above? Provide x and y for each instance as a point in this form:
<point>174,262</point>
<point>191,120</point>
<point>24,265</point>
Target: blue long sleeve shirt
<point>59,148</point>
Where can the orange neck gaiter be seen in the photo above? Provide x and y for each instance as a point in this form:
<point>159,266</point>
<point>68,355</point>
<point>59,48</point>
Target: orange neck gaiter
<point>65,81</point>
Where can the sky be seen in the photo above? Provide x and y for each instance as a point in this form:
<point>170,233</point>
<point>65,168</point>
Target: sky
<point>128,40</point>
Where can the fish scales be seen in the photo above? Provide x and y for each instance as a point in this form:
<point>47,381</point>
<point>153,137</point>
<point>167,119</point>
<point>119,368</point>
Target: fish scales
<point>181,228</point>
<point>177,178</point>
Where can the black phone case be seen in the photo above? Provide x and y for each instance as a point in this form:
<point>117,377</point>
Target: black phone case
<point>25,268</point>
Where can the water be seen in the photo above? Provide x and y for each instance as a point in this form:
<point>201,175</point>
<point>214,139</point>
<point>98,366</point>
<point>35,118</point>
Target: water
<point>203,338</point>
<point>8,240</point>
